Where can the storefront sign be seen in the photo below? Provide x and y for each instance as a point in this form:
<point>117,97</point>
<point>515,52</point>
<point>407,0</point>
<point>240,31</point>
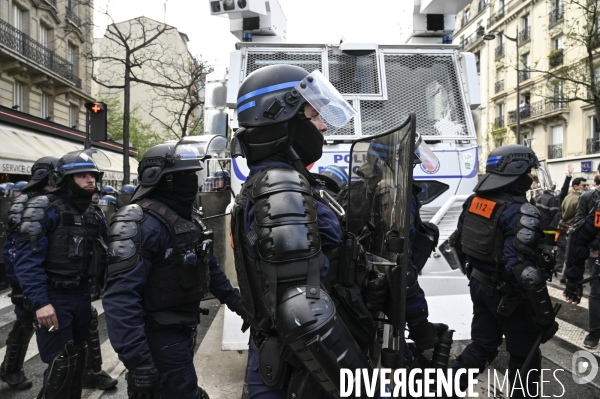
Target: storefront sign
<point>12,166</point>
<point>586,166</point>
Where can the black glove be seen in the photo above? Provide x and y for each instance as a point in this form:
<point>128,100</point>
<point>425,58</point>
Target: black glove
<point>143,382</point>
<point>425,335</point>
<point>240,311</point>
<point>375,292</point>
<point>549,331</point>
<point>573,290</point>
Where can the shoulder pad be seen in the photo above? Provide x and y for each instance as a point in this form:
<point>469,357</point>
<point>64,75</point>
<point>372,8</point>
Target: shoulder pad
<point>41,201</point>
<point>130,213</point>
<point>529,210</point>
<point>275,180</point>
<point>21,199</point>
<point>124,239</point>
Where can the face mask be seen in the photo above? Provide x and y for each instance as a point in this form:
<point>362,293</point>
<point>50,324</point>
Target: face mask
<point>581,191</point>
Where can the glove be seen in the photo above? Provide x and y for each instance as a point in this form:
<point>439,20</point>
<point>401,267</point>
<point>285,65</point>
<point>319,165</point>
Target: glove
<point>240,311</point>
<point>143,382</point>
<point>549,331</point>
<point>425,335</point>
<point>375,292</point>
<point>573,291</point>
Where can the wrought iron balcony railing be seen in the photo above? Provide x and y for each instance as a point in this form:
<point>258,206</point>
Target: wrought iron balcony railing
<point>499,121</point>
<point>557,15</point>
<point>499,86</point>
<point>593,146</point>
<point>73,17</point>
<point>525,35</point>
<point>524,75</point>
<point>538,108</point>
<point>555,151</point>
<point>34,51</point>
<point>500,51</point>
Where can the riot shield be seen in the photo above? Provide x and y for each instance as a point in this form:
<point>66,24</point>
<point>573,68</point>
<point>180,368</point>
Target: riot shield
<point>378,209</point>
<point>109,211</point>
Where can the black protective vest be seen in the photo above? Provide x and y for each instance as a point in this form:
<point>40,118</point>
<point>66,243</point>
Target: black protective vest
<point>481,237</point>
<point>70,245</point>
<point>177,283</point>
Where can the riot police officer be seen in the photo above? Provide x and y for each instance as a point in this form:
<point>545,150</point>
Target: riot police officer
<point>159,268</point>
<point>222,180</point>
<point>55,281</point>
<point>108,190</point>
<point>499,232</point>
<point>125,194</point>
<point>285,236</point>
<point>11,370</point>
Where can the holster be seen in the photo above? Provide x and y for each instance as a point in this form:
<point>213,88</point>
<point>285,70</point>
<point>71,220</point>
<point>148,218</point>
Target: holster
<point>274,369</point>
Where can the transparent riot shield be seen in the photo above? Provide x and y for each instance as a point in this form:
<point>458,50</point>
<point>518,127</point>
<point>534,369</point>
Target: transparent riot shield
<point>378,213</point>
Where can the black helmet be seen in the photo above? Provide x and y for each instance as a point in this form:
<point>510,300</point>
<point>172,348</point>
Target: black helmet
<point>335,178</point>
<point>271,112</point>
<point>164,159</point>
<point>79,162</point>
<point>127,189</point>
<point>107,190</point>
<point>504,166</point>
<point>42,174</point>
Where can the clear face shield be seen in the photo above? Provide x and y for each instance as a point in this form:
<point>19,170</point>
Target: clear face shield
<point>325,99</point>
<point>430,162</point>
<point>541,181</point>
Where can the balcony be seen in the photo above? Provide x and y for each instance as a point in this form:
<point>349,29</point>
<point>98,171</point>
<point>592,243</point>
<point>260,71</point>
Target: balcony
<point>500,51</point>
<point>71,15</point>
<point>472,39</point>
<point>497,16</point>
<point>538,109</point>
<point>19,42</point>
<point>555,151</point>
<point>524,75</point>
<point>555,58</point>
<point>499,121</point>
<point>504,11</point>
<point>525,35</point>
<point>499,86</point>
<point>557,16</point>
<point>593,146</point>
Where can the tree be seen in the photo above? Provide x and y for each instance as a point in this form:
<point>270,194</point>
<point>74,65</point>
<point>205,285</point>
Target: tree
<point>140,133</point>
<point>140,52</point>
<point>579,78</point>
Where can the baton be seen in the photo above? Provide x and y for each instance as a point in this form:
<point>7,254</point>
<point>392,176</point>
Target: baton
<point>536,345</point>
<point>587,280</point>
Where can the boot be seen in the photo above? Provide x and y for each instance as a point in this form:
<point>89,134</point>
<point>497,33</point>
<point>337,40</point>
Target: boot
<point>76,384</point>
<point>59,376</point>
<point>94,376</point>
<point>11,370</point>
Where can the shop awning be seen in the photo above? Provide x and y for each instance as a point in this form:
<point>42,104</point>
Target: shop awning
<point>19,149</point>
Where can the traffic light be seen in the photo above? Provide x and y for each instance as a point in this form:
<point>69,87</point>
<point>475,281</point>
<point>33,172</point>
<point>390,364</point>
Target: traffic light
<point>98,114</point>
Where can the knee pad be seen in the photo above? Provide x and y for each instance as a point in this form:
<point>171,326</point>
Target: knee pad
<point>318,337</point>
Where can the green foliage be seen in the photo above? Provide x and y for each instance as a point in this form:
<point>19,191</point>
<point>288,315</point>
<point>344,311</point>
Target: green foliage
<point>141,135</point>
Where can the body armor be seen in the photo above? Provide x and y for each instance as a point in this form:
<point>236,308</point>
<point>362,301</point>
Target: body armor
<point>71,242</point>
<point>290,259</point>
<point>177,283</point>
<point>481,237</point>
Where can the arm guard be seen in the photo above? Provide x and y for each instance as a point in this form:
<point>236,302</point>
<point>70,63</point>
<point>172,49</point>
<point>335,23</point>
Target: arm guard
<point>33,221</point>
<point>17,206</point>
<point>533,283</point>
<point>124,239</point>
<point>528,233</point>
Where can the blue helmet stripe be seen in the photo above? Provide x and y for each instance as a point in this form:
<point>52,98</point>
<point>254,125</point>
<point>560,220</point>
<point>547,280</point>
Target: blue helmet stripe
<point>382,146</point>
<point>378,154</point>
<point>267,89</point>
<point>336,172</point>
<point>75,165</point>
<point>246,106</point>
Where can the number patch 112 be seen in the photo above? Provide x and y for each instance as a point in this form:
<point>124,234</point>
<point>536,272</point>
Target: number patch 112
<point>482,207</point>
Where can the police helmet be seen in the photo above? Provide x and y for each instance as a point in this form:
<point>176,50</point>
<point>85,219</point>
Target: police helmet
<point>504,166</point>
<point>222,179</point>
<point>107,190</point>
<point>334,177</point>
<point>7,187</point>
<point>2,190</point>
<point>77,162</point>
<point>163,159</point>
<point>42,174</point>
<point>271,110</point>
<point>17,188</point>
<point>209,184</point>
<point>107,200</point>
<point>127,189</point>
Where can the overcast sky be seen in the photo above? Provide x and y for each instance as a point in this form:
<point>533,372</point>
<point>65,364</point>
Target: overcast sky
<point>309,21</point>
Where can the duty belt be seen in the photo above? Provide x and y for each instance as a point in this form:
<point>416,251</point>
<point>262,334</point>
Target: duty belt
<point>484,278</point>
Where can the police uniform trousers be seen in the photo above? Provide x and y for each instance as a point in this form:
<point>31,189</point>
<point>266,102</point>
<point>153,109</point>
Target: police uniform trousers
<point>594,299</point>
<point>74,313</point>
<point>171,350</point>
<point>487,329</point>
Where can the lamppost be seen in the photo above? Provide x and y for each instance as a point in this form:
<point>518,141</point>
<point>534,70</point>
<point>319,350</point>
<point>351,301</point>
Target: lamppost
<point>491,36</point>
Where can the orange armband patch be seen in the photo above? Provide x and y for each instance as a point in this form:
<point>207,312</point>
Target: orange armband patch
<point>597,219</point>
<point>482,207</point>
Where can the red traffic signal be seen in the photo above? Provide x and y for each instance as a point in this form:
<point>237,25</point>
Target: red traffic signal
<point>96,108</point>
<point>97,120</point>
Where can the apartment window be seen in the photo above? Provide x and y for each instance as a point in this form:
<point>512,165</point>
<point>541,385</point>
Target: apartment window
<point>17,17</point>
<point>72,5</point>
<point>73,57</point>
<point>559,89</point>
<point>594,133</point>
<point>44,106</point>
<point>43,36</point>
<point>558,42</point>
<point>18,96</point>
<point>525,22</point>
<point>499,39</point>
<point>499,121</point>
<point>500,7</point>
<point>74,117</point>
<point>557,134</point>
<point>478,61</point>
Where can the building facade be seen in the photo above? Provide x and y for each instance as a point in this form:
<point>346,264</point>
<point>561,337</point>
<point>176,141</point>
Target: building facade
<point>558,130</point>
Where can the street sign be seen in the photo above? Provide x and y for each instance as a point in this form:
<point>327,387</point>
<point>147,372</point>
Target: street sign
<point>586,166</point>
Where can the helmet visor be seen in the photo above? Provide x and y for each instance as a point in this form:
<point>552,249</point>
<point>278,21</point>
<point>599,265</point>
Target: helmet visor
<point>91,157</point>
<point>325,99</point>
<point>544,181</point>
<point>430,162</point>
<point>190,149</point>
